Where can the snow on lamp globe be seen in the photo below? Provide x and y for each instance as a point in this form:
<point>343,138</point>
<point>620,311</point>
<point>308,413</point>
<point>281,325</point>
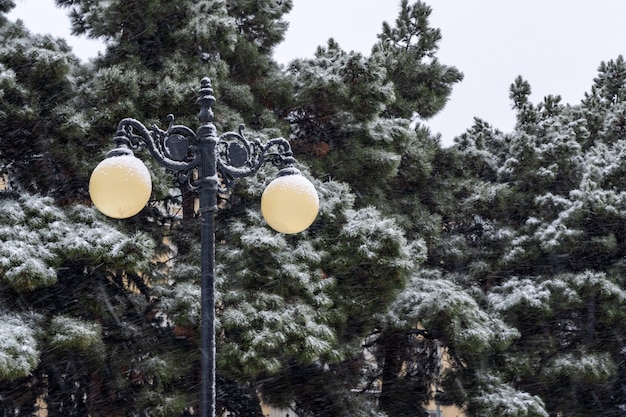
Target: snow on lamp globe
<point>120,186</point>
<point>290,202</point>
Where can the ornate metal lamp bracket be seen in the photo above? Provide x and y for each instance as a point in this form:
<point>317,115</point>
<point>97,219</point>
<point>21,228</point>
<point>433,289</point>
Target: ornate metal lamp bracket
<point>178,147</point>
<point>239,157</point>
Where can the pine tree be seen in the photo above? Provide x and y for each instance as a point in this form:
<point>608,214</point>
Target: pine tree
<point>41,125</point>
<point>359,131</point>
<point>155,68</point>
<point>421,84</point>
<point>294,312</point>
<point>537,236</point>
<point>69,307</point>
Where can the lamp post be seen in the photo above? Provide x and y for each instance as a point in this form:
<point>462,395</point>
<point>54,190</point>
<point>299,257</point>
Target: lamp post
<point>120,187</point>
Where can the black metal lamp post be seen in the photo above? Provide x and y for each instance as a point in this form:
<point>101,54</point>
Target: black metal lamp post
<point>120,187</point>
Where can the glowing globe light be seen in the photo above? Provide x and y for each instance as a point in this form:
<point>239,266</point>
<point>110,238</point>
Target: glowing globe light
<point>290,204</point>
<point>120,186</point>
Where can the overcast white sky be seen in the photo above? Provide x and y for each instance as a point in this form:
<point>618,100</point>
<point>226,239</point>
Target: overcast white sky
<point>557,45</point>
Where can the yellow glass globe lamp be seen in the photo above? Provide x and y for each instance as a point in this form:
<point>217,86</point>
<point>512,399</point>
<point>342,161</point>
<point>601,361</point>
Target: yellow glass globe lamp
<point>120,186</point>
<point>290,203</point>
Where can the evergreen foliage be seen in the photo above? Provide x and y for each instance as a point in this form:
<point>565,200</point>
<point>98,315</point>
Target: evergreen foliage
<point>538,236</point>
<point>500,257</point>
<point>41,124</point>
<point>420,82</point>
<point>293,312</point>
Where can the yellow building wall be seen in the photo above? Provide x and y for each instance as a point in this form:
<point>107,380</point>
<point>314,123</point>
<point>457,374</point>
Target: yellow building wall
<point>276,412</point>
<point>447,411</point>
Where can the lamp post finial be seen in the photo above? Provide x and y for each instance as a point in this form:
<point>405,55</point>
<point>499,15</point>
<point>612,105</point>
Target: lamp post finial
<point>206,100</point>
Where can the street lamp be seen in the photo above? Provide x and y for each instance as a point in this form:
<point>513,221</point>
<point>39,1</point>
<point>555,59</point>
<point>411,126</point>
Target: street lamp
<point>120,187</point>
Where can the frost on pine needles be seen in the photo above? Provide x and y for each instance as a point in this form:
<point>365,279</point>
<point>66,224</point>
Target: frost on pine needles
<point>500,399</point>
<point>37,237</point>
<point>73,334</point>
<point>18,348</point>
